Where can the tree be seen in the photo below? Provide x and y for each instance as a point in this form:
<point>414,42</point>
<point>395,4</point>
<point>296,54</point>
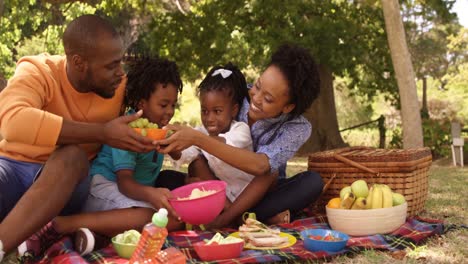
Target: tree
<point>345,38</point>
<point>411,118</point>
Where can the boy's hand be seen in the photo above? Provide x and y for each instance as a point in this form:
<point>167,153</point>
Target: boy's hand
<point>160,199</point>
<point>118,134</point>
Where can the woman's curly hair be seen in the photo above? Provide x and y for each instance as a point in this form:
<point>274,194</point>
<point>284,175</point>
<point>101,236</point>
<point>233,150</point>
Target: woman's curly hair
<point>235,85</point>
<point>301,73</point>
<point>144,73</point>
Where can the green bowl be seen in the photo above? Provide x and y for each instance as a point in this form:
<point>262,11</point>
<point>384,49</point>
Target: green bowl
<point>123,249</point>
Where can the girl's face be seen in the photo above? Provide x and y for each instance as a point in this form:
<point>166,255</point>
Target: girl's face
<point>160,107</point>
<point>269,97</point>
<point>217,111</point>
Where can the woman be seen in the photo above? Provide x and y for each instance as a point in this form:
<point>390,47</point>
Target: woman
<point>283,92</point>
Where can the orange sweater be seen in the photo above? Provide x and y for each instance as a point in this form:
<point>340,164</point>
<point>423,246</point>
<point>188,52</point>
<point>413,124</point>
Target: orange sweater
<point>37,99</point>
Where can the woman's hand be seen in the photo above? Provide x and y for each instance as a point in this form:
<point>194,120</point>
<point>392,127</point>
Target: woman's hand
<point>118,134</point>
<point>159,198</point>
<point>182,138</point>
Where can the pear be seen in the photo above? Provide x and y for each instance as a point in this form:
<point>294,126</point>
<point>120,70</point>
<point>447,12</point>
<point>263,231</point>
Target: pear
<point>360,188</point>
<point>398,199</point>
<point>344,191</point>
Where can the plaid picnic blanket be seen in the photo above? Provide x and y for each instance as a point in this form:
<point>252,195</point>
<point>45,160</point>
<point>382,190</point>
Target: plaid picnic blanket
<point>414,232</point>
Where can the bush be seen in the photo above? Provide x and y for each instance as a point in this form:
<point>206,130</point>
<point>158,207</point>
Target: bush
<point>436,135</point>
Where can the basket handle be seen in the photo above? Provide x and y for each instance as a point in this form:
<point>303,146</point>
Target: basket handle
<point>354,164</point>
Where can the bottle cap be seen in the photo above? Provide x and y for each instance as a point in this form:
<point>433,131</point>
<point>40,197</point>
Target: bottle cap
<point>160,218</point>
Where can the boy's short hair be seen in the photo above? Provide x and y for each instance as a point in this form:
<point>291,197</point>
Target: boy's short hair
<point>301,73</point>
<point>144,73</point>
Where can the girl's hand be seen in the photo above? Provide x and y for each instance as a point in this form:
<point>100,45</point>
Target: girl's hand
<point>160,199</point>
<point>182,138</point>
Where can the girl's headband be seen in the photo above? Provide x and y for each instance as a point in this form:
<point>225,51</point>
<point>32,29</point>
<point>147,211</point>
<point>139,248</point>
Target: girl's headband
<point>225,73</point>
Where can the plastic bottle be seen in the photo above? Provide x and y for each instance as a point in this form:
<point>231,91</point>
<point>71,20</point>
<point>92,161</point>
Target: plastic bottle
<point>152,239</point>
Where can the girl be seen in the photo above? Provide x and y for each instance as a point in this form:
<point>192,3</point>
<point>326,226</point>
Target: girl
<point>221,94</point>
<point>127,187</point>
<point>273,110</point>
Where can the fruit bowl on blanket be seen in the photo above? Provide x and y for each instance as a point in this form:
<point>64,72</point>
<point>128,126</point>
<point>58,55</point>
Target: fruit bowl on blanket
<point>368,221</point>
<point>200,202</point>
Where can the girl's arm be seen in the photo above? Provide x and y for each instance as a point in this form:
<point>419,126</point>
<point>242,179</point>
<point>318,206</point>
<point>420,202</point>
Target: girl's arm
<point>253,163</point>
<point>158,197</point>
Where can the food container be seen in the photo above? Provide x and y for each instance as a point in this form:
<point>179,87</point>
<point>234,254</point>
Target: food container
<point>217,251</point>
<point>201,210</point>
<point>124,250</point>
<point>153,133</point>
<point>319,244</point>
<point>368,221</point>
<point>405,171</point>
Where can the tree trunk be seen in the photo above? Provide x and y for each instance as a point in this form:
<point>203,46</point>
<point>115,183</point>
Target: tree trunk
<point>401,58</point>
<point>322,116</point>
<point>424,110</point>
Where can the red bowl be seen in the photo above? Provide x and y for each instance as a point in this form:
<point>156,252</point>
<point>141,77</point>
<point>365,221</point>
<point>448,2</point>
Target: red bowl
<point>217,251</point>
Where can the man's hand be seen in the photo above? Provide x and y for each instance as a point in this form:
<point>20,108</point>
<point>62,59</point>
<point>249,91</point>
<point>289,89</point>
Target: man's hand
<point>159,198</point>
<point>118,134</point>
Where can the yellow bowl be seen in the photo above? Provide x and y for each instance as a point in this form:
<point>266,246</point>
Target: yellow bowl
<point>368,221</point>
<point>124,250</point>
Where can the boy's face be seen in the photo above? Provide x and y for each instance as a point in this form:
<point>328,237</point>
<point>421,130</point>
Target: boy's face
<point>160,107</point>
<point>217,111</point>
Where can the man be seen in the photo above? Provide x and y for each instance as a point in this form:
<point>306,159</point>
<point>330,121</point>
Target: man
<point>55,113</point>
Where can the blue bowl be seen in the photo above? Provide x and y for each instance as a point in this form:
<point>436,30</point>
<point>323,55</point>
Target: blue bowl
<point>320,245</point>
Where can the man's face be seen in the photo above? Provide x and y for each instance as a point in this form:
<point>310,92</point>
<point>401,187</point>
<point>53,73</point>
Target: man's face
<point>104,70</point>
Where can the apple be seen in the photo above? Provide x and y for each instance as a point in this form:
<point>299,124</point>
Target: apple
<point>344,191</point>
<point>360,188</point>
<point>398,199</point>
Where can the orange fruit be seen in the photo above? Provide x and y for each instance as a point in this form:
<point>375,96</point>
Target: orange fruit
<point>334,203</point>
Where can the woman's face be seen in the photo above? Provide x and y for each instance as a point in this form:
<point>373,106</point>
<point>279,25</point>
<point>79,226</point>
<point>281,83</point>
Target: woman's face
<point>217,111</point>
<point>269,97</point>
<point>160,107</point>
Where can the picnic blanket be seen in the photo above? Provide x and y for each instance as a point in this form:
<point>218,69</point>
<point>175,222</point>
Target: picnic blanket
<point>414,232</point>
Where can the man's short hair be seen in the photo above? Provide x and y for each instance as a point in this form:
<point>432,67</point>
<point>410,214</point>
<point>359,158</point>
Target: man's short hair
<point>81,35</point>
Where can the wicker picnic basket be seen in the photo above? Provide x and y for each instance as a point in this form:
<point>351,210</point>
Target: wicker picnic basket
<point>404,170</point>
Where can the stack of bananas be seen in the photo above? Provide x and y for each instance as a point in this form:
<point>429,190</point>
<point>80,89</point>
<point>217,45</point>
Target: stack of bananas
<point>359,196</point>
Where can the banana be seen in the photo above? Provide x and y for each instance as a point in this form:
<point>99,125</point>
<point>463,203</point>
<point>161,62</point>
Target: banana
<point>377,197</point>
<point>359,204</point>
<point>387,196</point>
<point>348,201</point>
<point>369,198</point>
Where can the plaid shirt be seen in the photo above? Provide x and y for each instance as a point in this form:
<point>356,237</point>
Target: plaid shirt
<point>279,138</point>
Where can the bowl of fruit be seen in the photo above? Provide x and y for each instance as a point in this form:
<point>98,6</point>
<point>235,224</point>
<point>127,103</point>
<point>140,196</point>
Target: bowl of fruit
<point>324,239</point>
<point>147,129</point>
<point>200,202</point>
<point>362,211</point>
